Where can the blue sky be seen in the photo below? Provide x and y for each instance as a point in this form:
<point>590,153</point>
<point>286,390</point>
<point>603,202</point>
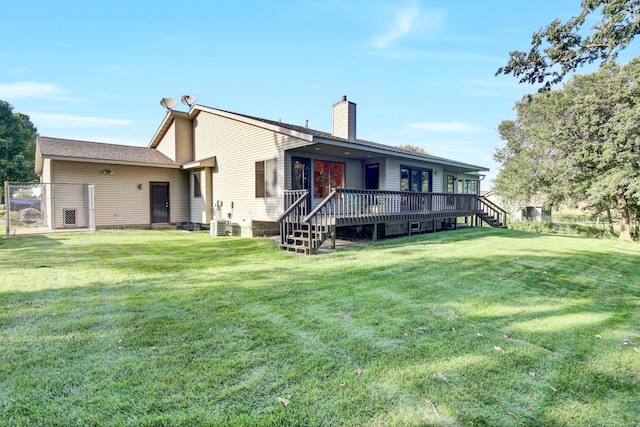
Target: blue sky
<point>421,72</point>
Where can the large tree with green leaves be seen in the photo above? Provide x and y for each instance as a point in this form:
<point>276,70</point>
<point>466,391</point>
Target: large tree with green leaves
<point>578,143</point>
<point>17,146</point>
<point>562,47</point>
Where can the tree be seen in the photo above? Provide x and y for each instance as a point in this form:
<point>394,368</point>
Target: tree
<point>580,143</point>
<point>17,145</point>
<point>413,148</point>
<point>560,47</point>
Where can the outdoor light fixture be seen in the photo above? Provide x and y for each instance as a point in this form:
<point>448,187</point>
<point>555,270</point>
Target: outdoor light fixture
<point>139,186</point>
<point>107,171</point>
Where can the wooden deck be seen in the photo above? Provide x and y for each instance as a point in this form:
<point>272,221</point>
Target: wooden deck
<point>304,231</point>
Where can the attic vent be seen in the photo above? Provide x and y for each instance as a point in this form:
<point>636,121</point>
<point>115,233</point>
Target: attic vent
<point>69,217</point>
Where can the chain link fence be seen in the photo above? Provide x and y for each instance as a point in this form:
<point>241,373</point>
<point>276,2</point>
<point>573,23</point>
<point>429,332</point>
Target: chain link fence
<point>32,208</point>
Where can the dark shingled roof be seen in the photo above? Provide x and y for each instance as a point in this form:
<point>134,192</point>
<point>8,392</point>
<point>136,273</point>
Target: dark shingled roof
<point>68,148</point>
<point>362,142</point>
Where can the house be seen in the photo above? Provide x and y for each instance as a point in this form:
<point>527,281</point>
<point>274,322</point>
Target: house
<point>252,176</point>
<point>535,209</point>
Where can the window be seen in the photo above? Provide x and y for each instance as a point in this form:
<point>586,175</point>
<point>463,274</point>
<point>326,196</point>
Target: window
<point>471,186</point>
<point>327,175</point>
<point>266,178</point>
<point>415,179</point>
<point>451,188</point>
<point>197,186</point>
<point>451,184</point>
<point>300,173</point>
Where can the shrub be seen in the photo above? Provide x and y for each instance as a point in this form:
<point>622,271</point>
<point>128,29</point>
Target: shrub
<point>533,226</point>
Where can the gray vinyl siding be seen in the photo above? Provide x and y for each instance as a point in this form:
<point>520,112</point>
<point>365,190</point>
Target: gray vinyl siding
<point>438,178</point>
<point>237,146</point>
<point>118,201</point>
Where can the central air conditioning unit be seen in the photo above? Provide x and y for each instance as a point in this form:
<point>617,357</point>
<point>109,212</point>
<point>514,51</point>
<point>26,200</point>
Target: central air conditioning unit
<point>218,228</point>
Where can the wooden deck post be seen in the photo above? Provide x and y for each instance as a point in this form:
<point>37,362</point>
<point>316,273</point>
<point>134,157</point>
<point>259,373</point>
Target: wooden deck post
<point>333,238</point>
<point>375,232</point>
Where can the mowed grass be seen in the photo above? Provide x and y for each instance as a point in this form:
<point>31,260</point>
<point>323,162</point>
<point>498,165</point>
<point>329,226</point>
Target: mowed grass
<point>472,327</point>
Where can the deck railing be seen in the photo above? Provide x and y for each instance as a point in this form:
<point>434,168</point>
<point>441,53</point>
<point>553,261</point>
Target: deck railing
<point>295,202</point>
<point>356,205</point>
<point>491,210</point>
<point>344,207</point>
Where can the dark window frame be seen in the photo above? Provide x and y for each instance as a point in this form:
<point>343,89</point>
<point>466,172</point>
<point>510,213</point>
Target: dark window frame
<point>476,185</point>
<point>411,184</point>
<point>266,178</point>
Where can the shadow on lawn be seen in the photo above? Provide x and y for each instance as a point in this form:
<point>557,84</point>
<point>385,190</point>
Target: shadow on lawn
<point>518,338</point>
<point>181,254</point>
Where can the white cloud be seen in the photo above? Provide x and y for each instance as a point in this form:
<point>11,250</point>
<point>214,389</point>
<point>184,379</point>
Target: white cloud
<point>445,127</point>
<point>70,121</point>
<point>30,90</point>
<point>403,24</point>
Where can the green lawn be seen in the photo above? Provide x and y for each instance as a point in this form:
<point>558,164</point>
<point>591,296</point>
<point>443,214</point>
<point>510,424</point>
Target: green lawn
<point>472,327</point>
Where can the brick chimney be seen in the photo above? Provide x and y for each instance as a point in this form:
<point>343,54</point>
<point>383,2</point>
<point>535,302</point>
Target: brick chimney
<point>344,119</point>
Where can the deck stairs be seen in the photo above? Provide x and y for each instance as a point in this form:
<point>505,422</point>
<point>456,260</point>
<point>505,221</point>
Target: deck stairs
<point>306,239</point>
<point>490,213</point>
<point>491,220</point>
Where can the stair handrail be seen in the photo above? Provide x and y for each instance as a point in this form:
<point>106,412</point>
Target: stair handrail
<point>321,219</point>
<point>292,216</point>
<point>326,201</point>
<point>488,207</point>
<point>302,197</point>
<point>483,199</point>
